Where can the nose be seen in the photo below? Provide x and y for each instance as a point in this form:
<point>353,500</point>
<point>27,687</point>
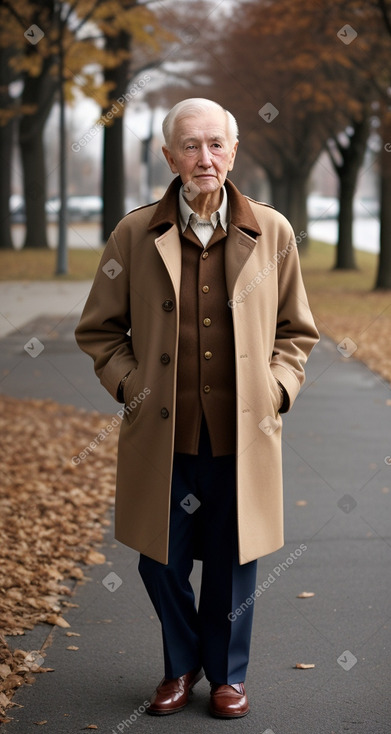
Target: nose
<point>205,158</point>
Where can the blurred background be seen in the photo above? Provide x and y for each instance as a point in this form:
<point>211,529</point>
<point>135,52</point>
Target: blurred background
<point>85,86</point>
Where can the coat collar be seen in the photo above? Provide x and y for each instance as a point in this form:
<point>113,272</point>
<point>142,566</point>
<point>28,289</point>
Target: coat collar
<point>242,216</point>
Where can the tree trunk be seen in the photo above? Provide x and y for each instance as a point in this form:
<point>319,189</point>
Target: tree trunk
<point>113,177</point>
<point>289,195</point>
<point>280,193</point>
<point>297,213</point>
<point>113,181</point>
<point>345,257</point>
<point>6,142</point>
<point>38,95</point>
<point>34,186</point>
<point>6,139</point>
<point>352,159</point>
<point>383,279</point>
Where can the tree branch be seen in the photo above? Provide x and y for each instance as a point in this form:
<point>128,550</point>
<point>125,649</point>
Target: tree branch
<point>384,12</point>
<point>15,14</point>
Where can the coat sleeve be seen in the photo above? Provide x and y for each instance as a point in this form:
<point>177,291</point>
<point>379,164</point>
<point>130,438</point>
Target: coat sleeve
<point>103,330</point>
<point>296,333</point>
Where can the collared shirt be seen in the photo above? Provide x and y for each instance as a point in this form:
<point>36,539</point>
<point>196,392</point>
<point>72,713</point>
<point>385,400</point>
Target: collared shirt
<point>203,228</point>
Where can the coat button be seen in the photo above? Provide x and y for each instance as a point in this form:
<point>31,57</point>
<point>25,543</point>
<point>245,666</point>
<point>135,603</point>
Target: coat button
<point>165,358</point>
<point>208,355</point>
<point>206,388</point>
<point>207,322</point>
<point>168,304</point>
<point>164,413</point>
<point>205,289</point>
<point>205,255</point>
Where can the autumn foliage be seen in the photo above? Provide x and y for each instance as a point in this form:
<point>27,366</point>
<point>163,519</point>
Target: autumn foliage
<point>53,514</point>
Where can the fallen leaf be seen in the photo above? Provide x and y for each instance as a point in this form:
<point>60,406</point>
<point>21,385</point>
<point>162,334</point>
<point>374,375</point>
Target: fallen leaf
<point>28,678</point>
<point>72,634</point>
<point>40,723</point>
<point>4,701</point>
<point>91,726</point>
<point>67,514</point>
<point>95,557</point>
<point>5,670</point>
<point>76,573</point>
<point>305,595</point>
<point>12,681</point>
<point>304,666</point>
<point>72,647</point>
<point>57,620</point>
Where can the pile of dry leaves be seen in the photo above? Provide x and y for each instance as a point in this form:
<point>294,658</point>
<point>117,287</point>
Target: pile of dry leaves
<point>52,516</point>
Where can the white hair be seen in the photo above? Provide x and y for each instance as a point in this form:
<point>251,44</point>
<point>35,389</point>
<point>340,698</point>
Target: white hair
<point>196,106</point>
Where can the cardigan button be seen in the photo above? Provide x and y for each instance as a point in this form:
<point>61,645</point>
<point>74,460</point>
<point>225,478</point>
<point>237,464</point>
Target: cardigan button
<point>165,358</point>
<point>206,388</point>
<point>168,304</point>
<point>208,355</point>
<point>164,413</point>
<point>205,255</point>
<point>205,289</point>
<point>207,321</point>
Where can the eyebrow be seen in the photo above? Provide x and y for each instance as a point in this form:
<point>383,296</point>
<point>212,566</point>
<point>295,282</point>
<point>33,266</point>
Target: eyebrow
<point>193,139</point>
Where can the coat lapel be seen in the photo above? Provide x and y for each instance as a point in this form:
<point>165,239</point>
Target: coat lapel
<point>242,231</point>
<point>239,244</point>
<point>238,249</point>
<point>168,246</point>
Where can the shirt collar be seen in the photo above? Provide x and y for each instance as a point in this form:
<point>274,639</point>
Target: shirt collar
<point>186,212</point>
<point>240,213</point>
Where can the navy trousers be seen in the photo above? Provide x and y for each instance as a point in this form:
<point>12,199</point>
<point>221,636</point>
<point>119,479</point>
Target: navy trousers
<point>203,521</point>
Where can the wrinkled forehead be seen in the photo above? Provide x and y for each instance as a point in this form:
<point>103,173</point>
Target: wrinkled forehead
<point>209,124</point>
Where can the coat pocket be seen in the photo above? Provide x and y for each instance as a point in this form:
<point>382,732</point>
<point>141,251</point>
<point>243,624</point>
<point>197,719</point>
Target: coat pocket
<point>133,396</point>
<point>275,393</point>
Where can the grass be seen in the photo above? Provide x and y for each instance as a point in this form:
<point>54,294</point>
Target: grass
<point>344,303</point>
<point>41,264</point>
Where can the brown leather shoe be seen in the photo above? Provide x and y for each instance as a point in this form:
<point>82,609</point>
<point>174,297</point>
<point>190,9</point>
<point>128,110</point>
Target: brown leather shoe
<point>172,695</point>
<point>228,701</point>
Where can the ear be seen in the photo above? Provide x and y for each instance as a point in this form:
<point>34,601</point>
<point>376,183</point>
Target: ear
<point>170,159</point>
<point>233,156</point>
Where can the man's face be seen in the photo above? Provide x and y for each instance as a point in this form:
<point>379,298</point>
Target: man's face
<point>201,151</point>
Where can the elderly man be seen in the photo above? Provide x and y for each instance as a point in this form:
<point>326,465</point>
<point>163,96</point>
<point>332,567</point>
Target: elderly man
<point>198,321</point>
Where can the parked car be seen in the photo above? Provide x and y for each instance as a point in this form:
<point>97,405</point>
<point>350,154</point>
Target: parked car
<point>79,208</point>
<point>17,208</point>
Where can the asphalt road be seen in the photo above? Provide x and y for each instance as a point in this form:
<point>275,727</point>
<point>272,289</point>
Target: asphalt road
<point>336,442</point>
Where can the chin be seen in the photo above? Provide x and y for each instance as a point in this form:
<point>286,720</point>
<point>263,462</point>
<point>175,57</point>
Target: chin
<point>207,187</point>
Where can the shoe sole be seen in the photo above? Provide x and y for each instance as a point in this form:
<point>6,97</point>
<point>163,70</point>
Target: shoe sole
<point>217,715</point>
<point>152,712</point>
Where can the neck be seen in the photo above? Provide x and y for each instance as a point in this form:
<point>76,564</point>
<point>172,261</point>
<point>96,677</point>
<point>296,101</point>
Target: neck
<point>206,204</point>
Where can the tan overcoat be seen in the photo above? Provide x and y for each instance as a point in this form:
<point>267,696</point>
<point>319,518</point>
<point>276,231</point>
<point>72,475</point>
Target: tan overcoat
<point>131,320</point>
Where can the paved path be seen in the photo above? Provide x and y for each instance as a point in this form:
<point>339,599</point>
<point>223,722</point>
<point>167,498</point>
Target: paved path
<point>338,545</point>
